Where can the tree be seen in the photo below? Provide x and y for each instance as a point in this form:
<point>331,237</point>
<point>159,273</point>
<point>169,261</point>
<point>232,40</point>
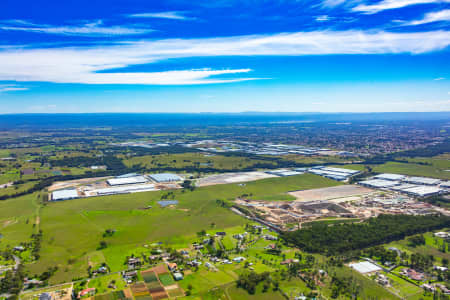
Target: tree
<point>102,245</point>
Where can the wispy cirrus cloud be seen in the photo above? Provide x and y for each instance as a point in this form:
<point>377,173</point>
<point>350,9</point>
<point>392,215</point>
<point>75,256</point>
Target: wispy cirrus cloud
<point>431,17</point>
<point>92,29</point>
<point>90,65</point>
<point>323,18</point>
<point>172,15</point>
<point>391,4</point>
<point>11,88</point>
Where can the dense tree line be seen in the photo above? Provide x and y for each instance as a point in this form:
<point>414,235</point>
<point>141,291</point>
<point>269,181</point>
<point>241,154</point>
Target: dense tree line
<point>12,282</point>
<point>250,280</point>
<point>331,240</point>
<point>111,162</point>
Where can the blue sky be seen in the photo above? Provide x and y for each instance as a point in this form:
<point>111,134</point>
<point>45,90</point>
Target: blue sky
<point>224,56</point>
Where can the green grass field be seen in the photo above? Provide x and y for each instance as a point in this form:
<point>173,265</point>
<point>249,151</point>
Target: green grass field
<point>197,160</point>
<point>101,283</point>
<point>73,229</point>
<point>436,170</point>
<point>431,246</point>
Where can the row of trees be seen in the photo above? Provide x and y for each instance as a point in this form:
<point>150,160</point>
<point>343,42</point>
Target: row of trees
<point>331,240</point>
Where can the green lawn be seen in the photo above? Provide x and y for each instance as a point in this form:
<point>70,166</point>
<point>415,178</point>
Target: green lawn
<point>402,287</point>
<point>166,279</point>
<point>101,283</point>
<point>197,160</point>
<point>72,230</point>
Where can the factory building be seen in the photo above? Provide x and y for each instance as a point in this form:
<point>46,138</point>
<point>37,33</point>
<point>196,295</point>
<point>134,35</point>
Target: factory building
<point>165,177</point>
<point>338,174</point>
<point>388,176</point>
<point>422,180</point>
<point>125,189</point>
<point>127,180</point>
<point>379,183</point>
<point>64,195</point>
<point>283,172</point>
<point>423,191</point>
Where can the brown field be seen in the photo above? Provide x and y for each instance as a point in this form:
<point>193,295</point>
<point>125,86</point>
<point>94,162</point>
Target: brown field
<point>139,289</point>
<point>232,178</point>
<point>330,193</point>
<point>161,269</point>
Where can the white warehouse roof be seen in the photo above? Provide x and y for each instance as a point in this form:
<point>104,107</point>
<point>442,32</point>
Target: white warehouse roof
<point>126,189</point>
<point>423,190</point>
<point>127,180</point>
<point>378,183</point>
<point>445,184</point>
<point>340,170</point>
<point>64,195</point>
<point>388,176</point>
<point>423,180</point>
<point>365,267</point>
<point>165,177</point>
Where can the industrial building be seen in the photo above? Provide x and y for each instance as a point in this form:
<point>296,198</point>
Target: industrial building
<point>379,183</point>
<point>389,176</point>
<point>165,177</point>
<point>127,180</point>
<point>445,184</point>
<point>422,180</point>
<point>125,189</point>
<point>283,172</point>
<point>365,267</point>
<point>338,174</point>
<point>64,195</point>
<point>423,191</point>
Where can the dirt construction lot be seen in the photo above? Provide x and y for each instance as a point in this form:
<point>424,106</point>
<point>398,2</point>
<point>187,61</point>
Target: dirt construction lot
<point>330,193</point>
<point>232,178</point>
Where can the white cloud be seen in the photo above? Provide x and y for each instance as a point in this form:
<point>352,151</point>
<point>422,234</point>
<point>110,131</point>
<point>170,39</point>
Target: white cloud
<point>332,3</point>
<point>439,78</point>
<point>90,64</point>
<point>11,88</point>
<point>437,16</point>
<point>86,29</point>
<point>173,15</point>
<point>323,18</point>
<point>391,4</point>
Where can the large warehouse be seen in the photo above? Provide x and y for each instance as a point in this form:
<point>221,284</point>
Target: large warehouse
<point>423,180</point>
<point>379,183</point>
<point>165,177</point>
<point>389,176</point>
<point>64,195</point>
<point>126,189</point>
<point>127,180</point>
<point>333,173</point>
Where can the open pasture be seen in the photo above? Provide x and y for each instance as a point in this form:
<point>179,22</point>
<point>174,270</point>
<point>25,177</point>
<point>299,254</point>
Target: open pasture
<point>74,229</point>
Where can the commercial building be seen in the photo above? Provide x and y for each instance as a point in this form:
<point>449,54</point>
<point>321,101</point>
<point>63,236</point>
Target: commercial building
<point>423,191</point>
<point>127,180</point>
<point>64,195</point>
<point>338,174</point>
<point>379,183</point>
<point>283,172</point>
<point>423,180</point>
<point>125,189</point>
<point>365,267</point>
<point>389,176</point>
<point>165,177</point>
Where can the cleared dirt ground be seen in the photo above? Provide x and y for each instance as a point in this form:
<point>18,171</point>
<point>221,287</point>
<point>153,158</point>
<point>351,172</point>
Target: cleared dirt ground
<point>330,193</point>
<point>232,178</point>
